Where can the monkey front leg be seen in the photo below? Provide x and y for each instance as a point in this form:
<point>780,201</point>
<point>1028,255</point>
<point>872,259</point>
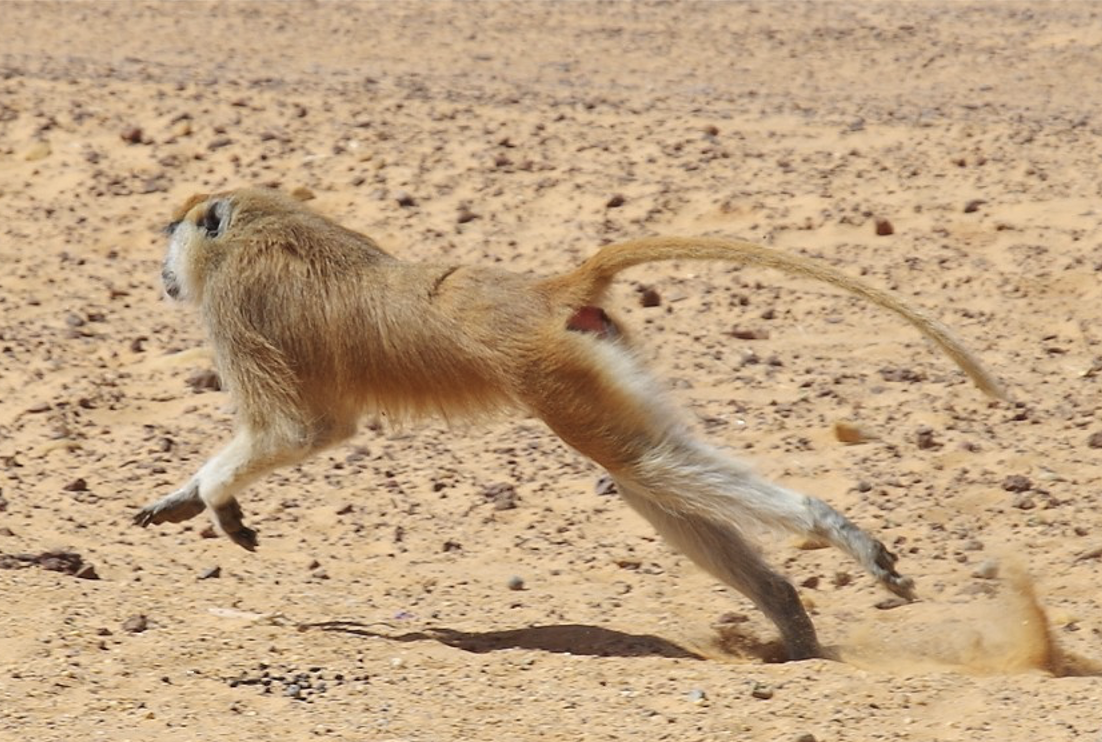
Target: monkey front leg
<point>214,487</point>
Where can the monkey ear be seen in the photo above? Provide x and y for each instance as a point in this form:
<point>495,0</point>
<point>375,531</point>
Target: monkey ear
<point>216,219</point>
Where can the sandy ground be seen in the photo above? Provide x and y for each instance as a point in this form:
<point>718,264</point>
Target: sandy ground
<point>380,604</point>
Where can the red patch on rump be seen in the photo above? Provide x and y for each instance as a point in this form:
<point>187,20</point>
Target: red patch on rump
<point>593,320</point>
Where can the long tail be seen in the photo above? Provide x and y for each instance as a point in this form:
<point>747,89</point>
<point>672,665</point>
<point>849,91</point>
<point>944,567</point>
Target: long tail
<point>588,282</point>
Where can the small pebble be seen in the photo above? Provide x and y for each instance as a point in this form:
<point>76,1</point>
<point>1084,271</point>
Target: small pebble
<point>205,380</point>
<point>852,433</point>
<point>1017,483</point>
<point>987,570</point>
<point>136,624</point>
<point>894,602</point>
<point>698,697</point>
<point>1024,502</point>
<point>649,297</point>
<point>515,583</point>
<point>615,202</point>
<point>925,439</point>
<point>762,691</point>
<point>211,573</point>
<point>884,228</point>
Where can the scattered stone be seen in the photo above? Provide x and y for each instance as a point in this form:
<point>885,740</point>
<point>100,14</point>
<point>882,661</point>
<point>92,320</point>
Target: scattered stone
<point>697,696</point>
<point>973,206</point>
<point>211,573</point>
<point>925,440</point>
<point>841,579</point>
<point>515,583</point>
<point>730,617</point>
<point>744,334</point>
<point>450,545</point>
<point>1017,483</point>
<point>1024,502</point>
<point>762,691</point>
<point>502,495</point>
<point>466,215</point>
<point>132,135</point>
<point>219,143</point>
<point>615,202</point>
<point>180,129</point>
<point>806,737</point>
<point>649,297</point>
<point>889,373</point>
<point>404,199</point>
<point>302,193</point>
<point>811,583</point>
<point>77,485</point>
<point>5,531</point>
<point>67,562</point>
<point>987,570</point>
<point>136,624</point>
<point>893,602</point>
<point>884,228</point>
<point>206,380</point>
<point>1095,441</point>
<point>39,407</point>
<point>852,433</point>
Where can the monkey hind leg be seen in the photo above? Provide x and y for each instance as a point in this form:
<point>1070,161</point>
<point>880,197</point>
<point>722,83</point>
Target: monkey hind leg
<point>688,476</point>
<point>724,553</point>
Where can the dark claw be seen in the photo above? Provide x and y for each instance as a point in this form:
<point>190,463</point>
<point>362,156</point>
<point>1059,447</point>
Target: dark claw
<point>245,538</point>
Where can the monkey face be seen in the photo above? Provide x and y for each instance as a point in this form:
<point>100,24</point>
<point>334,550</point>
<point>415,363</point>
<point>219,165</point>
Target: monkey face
<point>201,220</point>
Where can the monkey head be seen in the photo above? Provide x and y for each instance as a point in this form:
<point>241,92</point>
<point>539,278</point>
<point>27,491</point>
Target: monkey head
<point>201,220</point>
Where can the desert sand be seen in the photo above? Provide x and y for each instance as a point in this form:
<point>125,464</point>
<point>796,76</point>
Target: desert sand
<point>479,583</point>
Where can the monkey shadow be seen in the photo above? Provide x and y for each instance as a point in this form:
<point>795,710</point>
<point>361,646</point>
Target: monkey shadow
<point>576,639</point>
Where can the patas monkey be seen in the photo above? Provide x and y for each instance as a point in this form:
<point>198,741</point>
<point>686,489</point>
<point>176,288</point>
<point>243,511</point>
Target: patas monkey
<point>314,326</point>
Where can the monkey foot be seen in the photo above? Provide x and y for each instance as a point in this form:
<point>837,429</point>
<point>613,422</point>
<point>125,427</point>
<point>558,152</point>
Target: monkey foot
<point>229,520</point>
<point>885,571</point>
<point>177,507</point>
